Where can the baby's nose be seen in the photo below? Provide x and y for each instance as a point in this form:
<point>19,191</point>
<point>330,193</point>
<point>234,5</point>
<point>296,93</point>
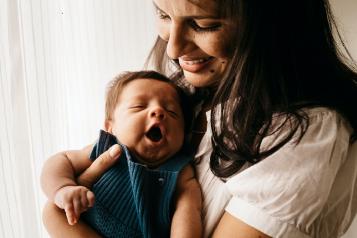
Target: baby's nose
<point>157,112</point>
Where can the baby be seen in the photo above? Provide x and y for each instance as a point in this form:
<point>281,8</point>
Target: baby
<point>151,191</point>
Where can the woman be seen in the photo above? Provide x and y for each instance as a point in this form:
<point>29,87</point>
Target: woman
<point>276,128</point>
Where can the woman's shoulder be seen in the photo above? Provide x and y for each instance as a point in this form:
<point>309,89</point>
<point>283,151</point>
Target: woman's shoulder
<point>321,122</point>
<point>294,188</point>
<point>326,119</point>
<point>322,150</point>
<point>316,114</point>
<point>327,124</point>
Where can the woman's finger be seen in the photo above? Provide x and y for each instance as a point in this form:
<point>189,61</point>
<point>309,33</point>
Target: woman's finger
<point>99,166</point>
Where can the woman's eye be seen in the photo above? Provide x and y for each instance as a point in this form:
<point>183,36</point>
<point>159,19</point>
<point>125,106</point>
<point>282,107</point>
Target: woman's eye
<point>200,28</point>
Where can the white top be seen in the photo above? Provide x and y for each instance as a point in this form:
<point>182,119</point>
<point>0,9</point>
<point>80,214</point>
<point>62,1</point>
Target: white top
<point>308,190</point>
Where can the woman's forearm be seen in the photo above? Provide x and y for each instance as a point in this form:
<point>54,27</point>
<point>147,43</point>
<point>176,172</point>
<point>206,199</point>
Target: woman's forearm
<point>187,220</point>
<point>55,222</point>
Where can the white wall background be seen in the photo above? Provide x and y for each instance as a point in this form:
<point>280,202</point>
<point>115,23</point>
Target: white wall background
<point>346,16</point>
<point>55,60</point>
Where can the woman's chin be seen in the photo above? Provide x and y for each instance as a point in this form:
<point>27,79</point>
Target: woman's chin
<point>201,79</point>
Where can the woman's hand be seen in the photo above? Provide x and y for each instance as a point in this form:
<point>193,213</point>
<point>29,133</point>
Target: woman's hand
<point>99,166</point>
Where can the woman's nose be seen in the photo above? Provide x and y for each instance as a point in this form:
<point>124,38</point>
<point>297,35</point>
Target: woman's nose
<point>178,41</point>
<point>157,112</point>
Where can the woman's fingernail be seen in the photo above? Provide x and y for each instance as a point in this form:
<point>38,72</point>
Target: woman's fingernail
<point>114,151</point>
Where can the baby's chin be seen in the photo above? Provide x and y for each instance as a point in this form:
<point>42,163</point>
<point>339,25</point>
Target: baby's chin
<point>152,160</point>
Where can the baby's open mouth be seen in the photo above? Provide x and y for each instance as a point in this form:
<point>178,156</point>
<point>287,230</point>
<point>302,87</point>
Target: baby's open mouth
<point>154,134</point>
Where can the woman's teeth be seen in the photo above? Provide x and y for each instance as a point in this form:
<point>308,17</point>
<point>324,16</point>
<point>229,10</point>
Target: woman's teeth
<point>194,65</point>
<point>198,61</point>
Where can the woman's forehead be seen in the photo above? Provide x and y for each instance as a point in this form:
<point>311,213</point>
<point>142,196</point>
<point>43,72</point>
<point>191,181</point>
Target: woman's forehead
<point>204,3</point>
<point>188,7</point>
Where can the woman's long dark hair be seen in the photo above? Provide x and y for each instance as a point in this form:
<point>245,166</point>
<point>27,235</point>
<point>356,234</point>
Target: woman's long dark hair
<point>286,59</point>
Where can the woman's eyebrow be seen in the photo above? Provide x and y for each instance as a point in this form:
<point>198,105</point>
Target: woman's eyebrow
<point>157,8</point>
<point>191,16</point>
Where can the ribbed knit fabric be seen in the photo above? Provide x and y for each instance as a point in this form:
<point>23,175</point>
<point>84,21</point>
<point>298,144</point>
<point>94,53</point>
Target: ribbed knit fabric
<point>132,200</point>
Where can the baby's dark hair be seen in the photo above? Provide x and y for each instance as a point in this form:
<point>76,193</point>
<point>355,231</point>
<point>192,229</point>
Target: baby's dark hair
<point>116,86</point>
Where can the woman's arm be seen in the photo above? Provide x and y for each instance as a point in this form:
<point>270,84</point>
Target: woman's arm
<point>186,222</point>
<point>231,227</point>
<point>55,221</point>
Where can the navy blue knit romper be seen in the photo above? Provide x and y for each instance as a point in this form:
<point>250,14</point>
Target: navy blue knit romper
<point>132,200</point>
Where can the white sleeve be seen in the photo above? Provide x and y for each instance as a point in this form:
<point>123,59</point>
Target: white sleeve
<point>283,194</point>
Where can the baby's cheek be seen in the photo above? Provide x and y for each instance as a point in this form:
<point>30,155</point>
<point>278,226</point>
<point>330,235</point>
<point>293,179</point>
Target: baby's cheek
<point>123,137</point>
<point>179,136</point>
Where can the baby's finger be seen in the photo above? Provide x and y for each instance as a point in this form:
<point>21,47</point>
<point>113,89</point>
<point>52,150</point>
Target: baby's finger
<point>71,217</point>
<point>84,200</point>
<point>90,198</point>
<point>77,207</point>
<point>99,166</point>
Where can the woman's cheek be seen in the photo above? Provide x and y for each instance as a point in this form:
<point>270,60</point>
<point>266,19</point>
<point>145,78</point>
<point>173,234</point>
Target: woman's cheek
<point>222,42</point>
<point>213,45</point>
<point>215,49</point>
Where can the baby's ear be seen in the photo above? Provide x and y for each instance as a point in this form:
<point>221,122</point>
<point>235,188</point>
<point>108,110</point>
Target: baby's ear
<point>108,126</point>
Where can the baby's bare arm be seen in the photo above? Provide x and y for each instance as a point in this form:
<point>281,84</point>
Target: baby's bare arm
<point>58,181</point>
<point>64,171</point>
<point>186,222</point>
<point>61,170</point>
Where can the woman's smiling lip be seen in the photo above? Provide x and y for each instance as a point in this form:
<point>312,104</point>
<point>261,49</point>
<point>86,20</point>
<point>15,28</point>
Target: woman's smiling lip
<point>194,65</point>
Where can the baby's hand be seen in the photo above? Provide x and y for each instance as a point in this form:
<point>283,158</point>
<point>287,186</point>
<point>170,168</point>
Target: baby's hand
<point>74,200</point>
